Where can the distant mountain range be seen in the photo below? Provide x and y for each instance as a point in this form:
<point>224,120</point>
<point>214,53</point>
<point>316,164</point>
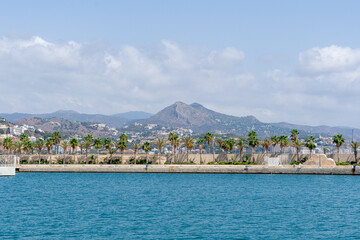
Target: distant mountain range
<point>193,116</point>
<point>115,121</point>
<point>134,115</point>
<point>66,127</point>
<point>200,119</point>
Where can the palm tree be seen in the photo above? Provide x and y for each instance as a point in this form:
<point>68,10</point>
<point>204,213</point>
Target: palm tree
<point>107,143</point>
<point>325,150</point>
<point>122,145</point>
<point>39,144</point>
<point>98,144</point>
<point>56,138</point>
<point>253,142</point>
<point>294,136</point>
<point>178,144</point>
<point>81,146</point>
<point>87,145</point>
<point>228,145</point>
<point>200,143</point>
<point>24,137</point>
<point>18,146</point>
<point>112,150</point>
<point>89,137</point>
<point>297,145</point>
<point>338,140</point>
<point>89,140</point>
<point>173,137</point>
<point>64,144</point>
<point>7,143</point>
<point>266,144</point>
<point>136,147</point>
<point>49,143</point>
<point>74,143</point>
<point>160,143</point>
<point>219,142</point>
<point>209,137</point>
<point>146,147</point>
<point>28,146</point>
<point>310,144</point>
<point>241,144</point>
<point>275,141</point>
<point>355,145</point>
<point>284,142</point>
<point>189,143</point>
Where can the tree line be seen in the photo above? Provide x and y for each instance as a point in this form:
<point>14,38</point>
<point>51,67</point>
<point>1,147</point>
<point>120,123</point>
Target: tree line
<point>252,141</point>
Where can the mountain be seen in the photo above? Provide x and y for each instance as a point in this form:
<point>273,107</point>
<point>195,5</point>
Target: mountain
<point>200,119</point>
<point>112,121</point>
<point>134,115</point>
<point>324,130</point>
<point>66,127</point>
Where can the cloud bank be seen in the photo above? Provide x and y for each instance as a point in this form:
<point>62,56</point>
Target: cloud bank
<point>41,76</point>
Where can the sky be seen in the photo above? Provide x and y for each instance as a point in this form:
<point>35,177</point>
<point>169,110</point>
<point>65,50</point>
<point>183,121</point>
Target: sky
<point>292,61</point>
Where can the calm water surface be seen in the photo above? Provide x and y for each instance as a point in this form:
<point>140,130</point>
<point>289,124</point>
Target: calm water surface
<point>178,206</point>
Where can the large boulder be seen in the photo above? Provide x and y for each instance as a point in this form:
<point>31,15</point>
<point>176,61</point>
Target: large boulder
<point>320,159</point>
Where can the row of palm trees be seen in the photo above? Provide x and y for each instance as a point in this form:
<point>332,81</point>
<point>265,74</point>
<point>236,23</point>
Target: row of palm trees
<point>227,145</point>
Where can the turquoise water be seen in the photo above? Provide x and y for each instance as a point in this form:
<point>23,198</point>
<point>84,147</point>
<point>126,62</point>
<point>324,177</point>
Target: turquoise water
<point>178,206</point>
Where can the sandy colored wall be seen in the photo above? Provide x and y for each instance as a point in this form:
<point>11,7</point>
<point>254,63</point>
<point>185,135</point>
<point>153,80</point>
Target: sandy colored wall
<point>180,158</point>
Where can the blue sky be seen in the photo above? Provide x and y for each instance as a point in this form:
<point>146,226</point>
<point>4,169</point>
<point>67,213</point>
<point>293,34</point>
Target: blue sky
<point>295,61</point>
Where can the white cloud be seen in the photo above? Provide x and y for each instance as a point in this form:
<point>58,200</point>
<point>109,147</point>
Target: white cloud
<point>41,76</point>
<point>329,59</point>
<point>45,76</point>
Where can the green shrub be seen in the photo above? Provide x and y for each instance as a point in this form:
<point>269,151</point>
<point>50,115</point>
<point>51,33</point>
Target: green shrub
<point>23,161</point>
<point>294,162</point>
<point>342,163</point>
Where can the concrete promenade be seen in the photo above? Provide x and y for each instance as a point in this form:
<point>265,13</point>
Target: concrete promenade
<point>224,169</point>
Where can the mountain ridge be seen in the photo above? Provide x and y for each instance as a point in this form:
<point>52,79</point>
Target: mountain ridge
<point>196,117</point>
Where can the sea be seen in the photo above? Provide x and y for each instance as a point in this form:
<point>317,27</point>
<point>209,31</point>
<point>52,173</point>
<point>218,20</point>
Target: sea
<point>179,206</point>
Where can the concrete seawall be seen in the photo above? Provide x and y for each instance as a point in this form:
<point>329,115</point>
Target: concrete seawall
<point>179,158</point>
<point>224,169</point>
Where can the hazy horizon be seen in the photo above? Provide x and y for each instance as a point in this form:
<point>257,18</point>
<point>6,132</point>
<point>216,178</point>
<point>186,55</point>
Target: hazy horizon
<point>280,61</point>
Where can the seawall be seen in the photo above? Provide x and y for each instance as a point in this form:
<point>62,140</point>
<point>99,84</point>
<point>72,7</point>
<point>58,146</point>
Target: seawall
<point>224,169</point>
<point>259,158</point>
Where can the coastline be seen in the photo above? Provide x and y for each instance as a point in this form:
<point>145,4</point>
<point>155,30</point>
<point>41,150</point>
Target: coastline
<point>209,169</point>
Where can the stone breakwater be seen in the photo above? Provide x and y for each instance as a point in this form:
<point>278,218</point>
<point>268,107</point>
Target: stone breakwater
<point>224,169</point>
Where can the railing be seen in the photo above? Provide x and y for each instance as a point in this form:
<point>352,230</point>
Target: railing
<point>7,161</point>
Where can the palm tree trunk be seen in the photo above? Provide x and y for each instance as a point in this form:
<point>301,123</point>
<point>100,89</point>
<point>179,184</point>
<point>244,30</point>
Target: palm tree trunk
<point>297,154</point>
<point>355,153</point>
<point>213,150</point>
<point>173,160</point>
<point>39,156</point>
<point>338,154</point>
<point>187,155</point>
<point>135,157</point>
<point>201,162</point>
<point>252,154</point>
<point>147,158</point>
<point>98,156</point>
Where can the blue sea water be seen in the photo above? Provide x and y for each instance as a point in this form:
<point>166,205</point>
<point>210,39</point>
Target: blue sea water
<point>178,206</point>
